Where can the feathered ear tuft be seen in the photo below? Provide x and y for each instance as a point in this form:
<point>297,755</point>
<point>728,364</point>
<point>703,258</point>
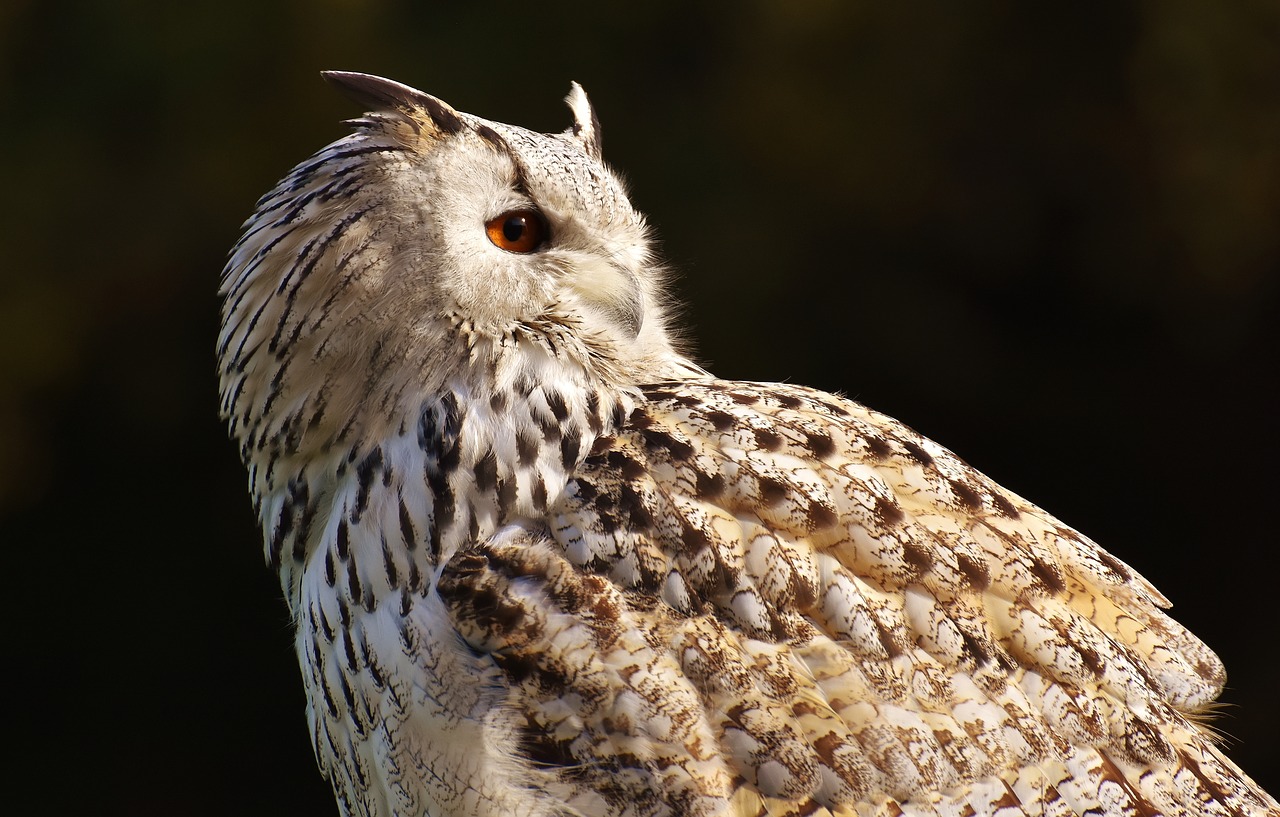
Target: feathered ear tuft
<point>385,94</point>
<point>586,127</point>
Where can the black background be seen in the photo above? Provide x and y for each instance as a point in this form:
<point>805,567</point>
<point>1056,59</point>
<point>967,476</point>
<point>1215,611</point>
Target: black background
<point>1047,237</point>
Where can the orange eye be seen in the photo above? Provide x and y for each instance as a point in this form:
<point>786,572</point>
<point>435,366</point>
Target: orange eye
<point>517,230</point>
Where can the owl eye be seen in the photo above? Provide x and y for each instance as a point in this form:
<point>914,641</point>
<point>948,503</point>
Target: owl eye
<point>517,230</point>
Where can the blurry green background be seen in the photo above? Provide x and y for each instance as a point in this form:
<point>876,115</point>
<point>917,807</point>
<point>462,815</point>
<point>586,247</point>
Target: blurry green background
<point>1047,235</point>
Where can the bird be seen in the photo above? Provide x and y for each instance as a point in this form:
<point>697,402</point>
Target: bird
<point>540,562</point>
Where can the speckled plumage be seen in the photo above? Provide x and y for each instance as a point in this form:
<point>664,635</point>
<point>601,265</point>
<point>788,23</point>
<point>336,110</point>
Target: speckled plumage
<point>541,563</point>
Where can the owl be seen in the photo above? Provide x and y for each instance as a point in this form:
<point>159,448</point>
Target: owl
<point>539,562</point>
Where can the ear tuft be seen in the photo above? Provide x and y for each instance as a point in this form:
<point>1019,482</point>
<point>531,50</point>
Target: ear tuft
<point>385,94</point>
<point>586,127</point>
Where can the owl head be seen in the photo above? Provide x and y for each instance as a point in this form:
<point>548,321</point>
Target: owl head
<point>432,250</point>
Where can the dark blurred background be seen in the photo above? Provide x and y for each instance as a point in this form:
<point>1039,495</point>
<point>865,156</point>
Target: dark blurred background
<point>1046,235</point>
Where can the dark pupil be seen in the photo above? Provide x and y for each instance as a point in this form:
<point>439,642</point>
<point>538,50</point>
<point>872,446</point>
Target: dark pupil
<point>513,228</point>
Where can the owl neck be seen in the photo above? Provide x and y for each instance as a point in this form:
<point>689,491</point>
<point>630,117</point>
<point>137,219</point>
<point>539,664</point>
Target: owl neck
<point>495,445</point>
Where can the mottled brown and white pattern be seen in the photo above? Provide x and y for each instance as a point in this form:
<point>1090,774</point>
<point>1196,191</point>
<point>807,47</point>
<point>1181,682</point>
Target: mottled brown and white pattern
<point>540,563</point>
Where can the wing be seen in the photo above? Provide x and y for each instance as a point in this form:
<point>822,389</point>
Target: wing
<point>759,599</point>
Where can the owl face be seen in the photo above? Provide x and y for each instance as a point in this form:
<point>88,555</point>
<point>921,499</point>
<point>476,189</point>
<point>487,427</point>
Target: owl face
<point>424,243</point>
<point>518,226</point>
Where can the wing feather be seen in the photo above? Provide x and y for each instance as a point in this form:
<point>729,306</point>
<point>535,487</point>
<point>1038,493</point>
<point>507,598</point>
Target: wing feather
<point>765,600</point>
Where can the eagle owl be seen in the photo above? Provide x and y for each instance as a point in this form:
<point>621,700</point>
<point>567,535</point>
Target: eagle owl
<point>541,563</point>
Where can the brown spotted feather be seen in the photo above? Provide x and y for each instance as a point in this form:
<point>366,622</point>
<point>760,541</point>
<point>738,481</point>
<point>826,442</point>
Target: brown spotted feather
<point>766,598</point>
